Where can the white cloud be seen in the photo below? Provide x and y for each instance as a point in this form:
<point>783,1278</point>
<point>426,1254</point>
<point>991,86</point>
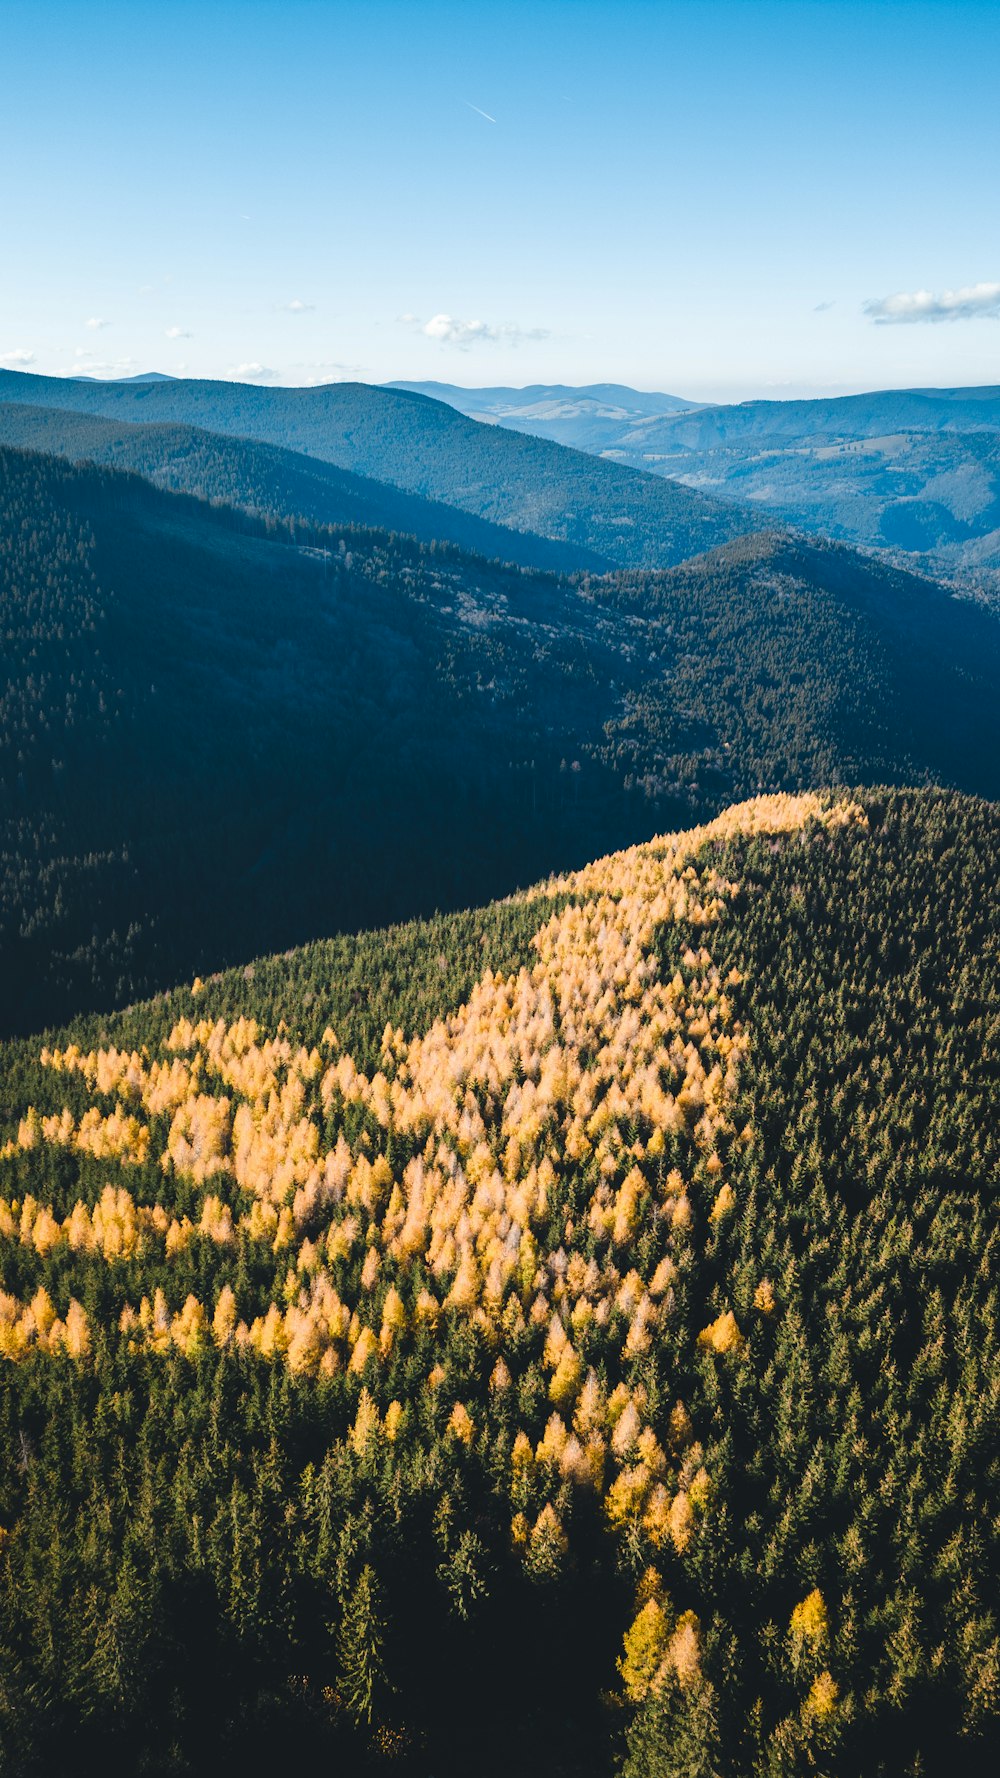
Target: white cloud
<point>95,323</point>
<point>297,307</point>
<point>176,333</point>
<point>448,330</point>
<point>821,308</point>
<point>19,356</point>
<point>973,302</point>
<point>250,373</point>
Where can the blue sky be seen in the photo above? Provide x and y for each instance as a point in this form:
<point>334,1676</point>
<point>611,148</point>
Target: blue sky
<point>717,199</point>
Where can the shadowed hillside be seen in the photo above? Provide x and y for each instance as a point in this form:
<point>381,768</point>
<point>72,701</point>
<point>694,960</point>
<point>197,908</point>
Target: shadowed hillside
<point>218,741</point>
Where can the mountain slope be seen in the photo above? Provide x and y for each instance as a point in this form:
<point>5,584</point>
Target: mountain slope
<point>218,740</point>
<point>624,1305</point>
<point>427,448</point>
<point>275,483</point>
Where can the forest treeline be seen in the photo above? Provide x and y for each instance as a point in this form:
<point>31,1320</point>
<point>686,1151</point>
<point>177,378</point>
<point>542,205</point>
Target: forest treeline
<point>551,1334</point>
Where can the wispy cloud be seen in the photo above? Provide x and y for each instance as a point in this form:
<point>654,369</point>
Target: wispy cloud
<point>20,356</point>
<point>297,307</point>
<point>327,370</point>
<point>974,302</point>
<point>176,333</point>
<point>88,366</point>
<point>821,308</point>
<point>96,323</point>
<point>448,330</point>
<point>480,113</point>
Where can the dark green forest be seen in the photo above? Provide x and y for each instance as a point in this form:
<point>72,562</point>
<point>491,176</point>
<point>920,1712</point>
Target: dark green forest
<point>225,734</point>
<point>608,1370</point>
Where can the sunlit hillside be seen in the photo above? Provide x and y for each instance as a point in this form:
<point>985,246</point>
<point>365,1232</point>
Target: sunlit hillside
<point>588,1301</point>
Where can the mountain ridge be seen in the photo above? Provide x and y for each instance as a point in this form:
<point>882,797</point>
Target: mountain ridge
<point>266,479</point>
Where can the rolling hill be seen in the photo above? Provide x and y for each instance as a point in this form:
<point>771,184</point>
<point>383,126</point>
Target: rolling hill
<point>425,447</point>
<point>223,736</point>
<point>555,1339</point>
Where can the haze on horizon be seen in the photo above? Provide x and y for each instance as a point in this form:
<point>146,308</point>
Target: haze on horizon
<point>717,200</point>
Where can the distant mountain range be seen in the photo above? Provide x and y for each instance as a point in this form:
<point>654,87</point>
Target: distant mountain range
<point>143,376</point>
<point>588,418</point>
<point>610,415</point>
<point>427,448</point>
<point>912,472</point>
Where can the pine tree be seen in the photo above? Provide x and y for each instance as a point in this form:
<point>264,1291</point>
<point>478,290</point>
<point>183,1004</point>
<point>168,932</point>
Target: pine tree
<point>359,1649</point>
<point>674,1735</point>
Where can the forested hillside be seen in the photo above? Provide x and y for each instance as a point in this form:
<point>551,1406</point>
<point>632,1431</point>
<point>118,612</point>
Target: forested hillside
<point>930,497</point>
<point>631,519</point>
<point>553,1333</point>
<point>219,741</point>
<point>274,483</point>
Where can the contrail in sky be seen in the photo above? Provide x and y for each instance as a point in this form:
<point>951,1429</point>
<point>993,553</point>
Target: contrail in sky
<point>485,114</point>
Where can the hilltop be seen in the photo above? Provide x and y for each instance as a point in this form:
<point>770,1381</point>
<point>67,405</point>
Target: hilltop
<point>604,1278</point>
